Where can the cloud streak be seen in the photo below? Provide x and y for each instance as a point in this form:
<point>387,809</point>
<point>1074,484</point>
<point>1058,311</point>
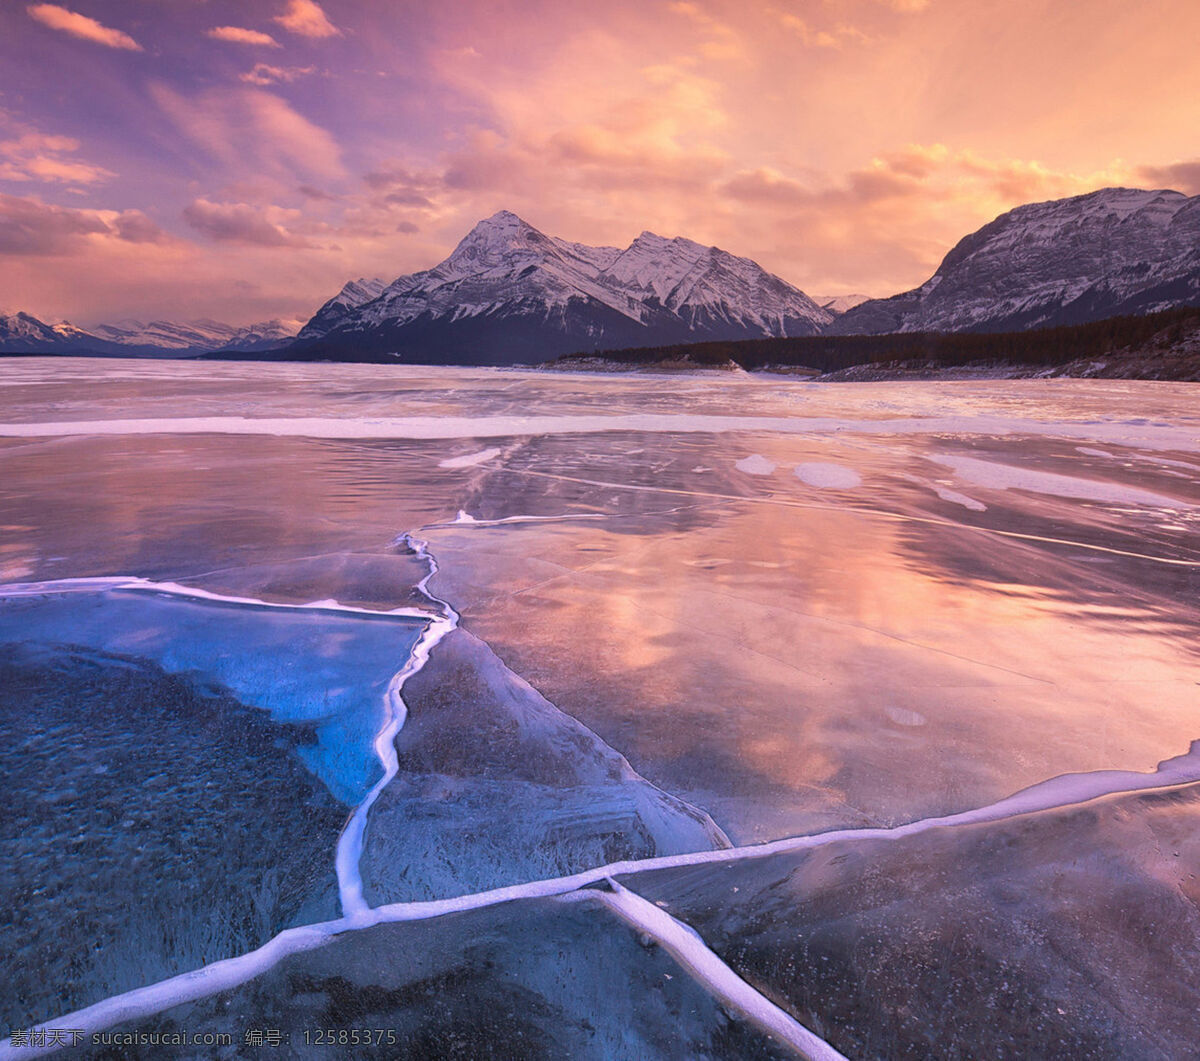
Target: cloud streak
<point>81,26</point>
<point>263,74</point>
<point>251,131</point>
<point>239,35</point>
<point>35,156</point>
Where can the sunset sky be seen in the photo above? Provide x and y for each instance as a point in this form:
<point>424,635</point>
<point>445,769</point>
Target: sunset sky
<point>241,159</point>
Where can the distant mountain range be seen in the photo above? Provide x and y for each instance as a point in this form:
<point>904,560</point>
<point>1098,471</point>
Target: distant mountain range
<point>509,294</point>
<point>22,333</point>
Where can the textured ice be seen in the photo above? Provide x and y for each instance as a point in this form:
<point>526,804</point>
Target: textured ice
<point>497,786</point>
<point>1066,933</point>
<point>538,980</point>
<point>323,668</point>
<point>149,824</point>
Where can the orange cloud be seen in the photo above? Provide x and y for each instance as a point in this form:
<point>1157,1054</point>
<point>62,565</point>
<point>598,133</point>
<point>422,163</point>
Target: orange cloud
<point>238,35</point>
<point>81,26</point>
<point>307,19</point>
<point>886,225</point>
<point>721,40</point>
<point>836,36</point>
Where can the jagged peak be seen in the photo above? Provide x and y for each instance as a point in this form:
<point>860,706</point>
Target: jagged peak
<point>502,223</point>
<point>649,238</point>
<point>496,240</point>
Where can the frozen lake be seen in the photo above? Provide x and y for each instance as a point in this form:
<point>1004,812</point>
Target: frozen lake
<point>671,619</point>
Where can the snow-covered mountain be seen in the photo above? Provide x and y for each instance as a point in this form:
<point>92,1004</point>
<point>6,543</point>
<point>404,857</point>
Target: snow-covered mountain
<point>1069,261</point>
<point>509,293</point>
<point>356,293</point>
<point>23,333</point>
<point>839,304</point>
<point>202,335</point>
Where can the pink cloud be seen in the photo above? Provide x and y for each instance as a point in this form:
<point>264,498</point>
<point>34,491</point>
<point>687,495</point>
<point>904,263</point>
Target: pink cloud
<point>240,223</point>
<point>252,131</point>
<point>1180,176</point>
<point>36,156</point>
<point>31,227</point>
<point>264,74</point>
<point>239,35</point>
<point>81,26</point>
<point>307,19</point>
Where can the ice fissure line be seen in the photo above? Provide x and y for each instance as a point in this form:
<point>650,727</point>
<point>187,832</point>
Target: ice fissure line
<point>1059,793</point>
<point>880,513</point>
<point>705,966</point>
<point>136,584</point>
<point>350,842</point>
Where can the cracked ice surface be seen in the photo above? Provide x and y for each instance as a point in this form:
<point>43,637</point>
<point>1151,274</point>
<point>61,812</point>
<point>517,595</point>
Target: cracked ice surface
<point>939,595</point>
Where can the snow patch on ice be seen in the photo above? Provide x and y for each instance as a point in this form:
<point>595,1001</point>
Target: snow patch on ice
<point>955,498</point>
<point>1135,432</point>
<point>902,716</point>
<point>825,476</point>
<point>469,460</point>
<point>755,465</point>
<point>1008,476</point>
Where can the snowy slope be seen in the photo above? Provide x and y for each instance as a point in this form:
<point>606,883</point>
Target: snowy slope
<point>510,293</point>
<point>1068,261</point>
<point>356,293</point>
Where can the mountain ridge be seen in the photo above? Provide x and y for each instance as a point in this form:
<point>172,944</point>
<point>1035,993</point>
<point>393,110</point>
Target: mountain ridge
<point>509,293</point>
<point>1112,252</point>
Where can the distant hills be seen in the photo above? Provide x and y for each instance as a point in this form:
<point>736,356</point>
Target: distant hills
<point>21,333</point>
<point>510,294</point>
